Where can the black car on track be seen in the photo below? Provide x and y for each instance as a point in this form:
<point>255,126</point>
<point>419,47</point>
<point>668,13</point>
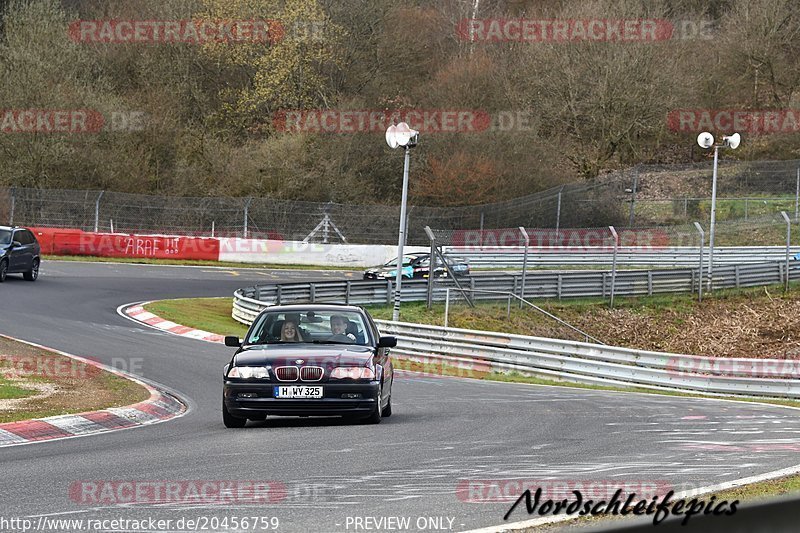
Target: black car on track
<point>309,360</point>
<point>417,266</point>
<point>19,253</point>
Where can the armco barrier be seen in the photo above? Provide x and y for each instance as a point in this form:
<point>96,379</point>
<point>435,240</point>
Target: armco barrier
<point>538,284</point>
<point>512,257</point>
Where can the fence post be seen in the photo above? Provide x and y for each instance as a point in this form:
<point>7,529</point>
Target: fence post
<point>797,195</point>
<point>431,264</point>
<point>213,227</point>
<point>481,231</point>
<point>524,263</point>
<point>702,244</point>
<point>788,246</point>
<point>558,209</point>
<point>633,198</point>
<point>246,216</point>
<point>614,264</point>
<point>13,204</point>
<point>97,212</point>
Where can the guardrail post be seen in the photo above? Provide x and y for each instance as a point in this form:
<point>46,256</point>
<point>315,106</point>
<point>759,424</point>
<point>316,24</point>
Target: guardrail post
<point>559,284</point>
<point>736,276</point>
<point>278,295</point>
<point>446,305</point>
<point>613,264</point>
<point>649,282</point>
<point>313,292</point>
<point>389,292</point>
<point>788,245</point>
<point>347,292</point>
<point>432,264</point>
<point>524,263</point>
<point>702,244</point>
<point>97,211</point>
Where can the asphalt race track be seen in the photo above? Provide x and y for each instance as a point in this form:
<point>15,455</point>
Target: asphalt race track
<point>443,433</point>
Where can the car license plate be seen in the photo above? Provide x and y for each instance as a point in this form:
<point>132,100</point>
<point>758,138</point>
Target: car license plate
<point>298,391</point>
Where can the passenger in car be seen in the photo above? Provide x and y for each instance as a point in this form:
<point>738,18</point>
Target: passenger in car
<point>290,331</point>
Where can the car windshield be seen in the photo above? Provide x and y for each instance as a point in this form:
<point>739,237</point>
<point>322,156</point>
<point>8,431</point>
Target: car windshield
<point>309,326</point>
<point>406,262</point>
<point>5,236</point>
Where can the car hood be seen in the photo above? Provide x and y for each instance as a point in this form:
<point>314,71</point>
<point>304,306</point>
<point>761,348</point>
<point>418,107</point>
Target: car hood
<point>312,354</point>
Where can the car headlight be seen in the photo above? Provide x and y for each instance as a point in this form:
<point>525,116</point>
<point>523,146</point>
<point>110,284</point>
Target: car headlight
<point>352,372</point>
<point>249,372</point>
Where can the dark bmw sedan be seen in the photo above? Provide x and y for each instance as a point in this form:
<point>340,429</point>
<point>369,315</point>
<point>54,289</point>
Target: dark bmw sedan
<point>309,360</point>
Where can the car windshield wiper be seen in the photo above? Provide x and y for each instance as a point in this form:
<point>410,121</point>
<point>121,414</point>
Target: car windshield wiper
<point>275,341</point>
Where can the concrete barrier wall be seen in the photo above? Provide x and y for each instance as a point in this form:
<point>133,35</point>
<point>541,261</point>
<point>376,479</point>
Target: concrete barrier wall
<point>65,241</point>
<point>300,253</point>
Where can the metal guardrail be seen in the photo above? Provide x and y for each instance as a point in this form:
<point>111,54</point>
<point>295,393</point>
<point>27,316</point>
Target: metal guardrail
<point>545,284</point>
<point>595,363</point>
<point>512,257</point>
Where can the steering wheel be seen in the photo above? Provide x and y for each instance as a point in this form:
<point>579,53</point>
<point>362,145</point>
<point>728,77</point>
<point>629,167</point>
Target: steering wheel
<point>341,337</point>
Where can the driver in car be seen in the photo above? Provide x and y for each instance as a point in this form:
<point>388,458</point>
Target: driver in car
<point>339,329</point>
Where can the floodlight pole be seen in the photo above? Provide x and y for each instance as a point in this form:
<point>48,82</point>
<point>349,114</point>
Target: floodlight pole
<point>402,237</point>
<point>713,221</point>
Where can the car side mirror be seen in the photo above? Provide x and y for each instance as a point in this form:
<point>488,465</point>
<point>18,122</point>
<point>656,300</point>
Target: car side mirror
<point>232,341</point>
<point>16,244</point>
<point>387,342</point>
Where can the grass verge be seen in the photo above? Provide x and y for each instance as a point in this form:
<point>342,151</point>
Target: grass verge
<point>37,383</point>
<point>208,314</point>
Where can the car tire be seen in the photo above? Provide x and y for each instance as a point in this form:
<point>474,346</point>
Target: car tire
<point>33,273</point>
<point>387,411</point>
<point>3,270</point>
<point>231,421</point>
<point>375,416</point>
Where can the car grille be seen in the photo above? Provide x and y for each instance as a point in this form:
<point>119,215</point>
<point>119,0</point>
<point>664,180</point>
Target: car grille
<point>286,373</point>
<point>311,373</point>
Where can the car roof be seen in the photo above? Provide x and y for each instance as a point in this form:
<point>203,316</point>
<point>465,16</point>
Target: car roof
<point>314,306</point>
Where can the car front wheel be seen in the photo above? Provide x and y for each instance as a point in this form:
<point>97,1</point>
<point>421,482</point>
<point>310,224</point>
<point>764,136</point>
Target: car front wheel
<point>33,273</point>
<point>375,416</point>
<point>231,421</point>
<point>387,411</point>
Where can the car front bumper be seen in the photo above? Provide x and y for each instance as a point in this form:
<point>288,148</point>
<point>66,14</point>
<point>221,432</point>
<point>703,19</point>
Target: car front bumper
<point>331,404</point>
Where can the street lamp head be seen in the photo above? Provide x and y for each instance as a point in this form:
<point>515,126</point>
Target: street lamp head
<point>705,140</point>
<point>732,141</point>
<point>401,135</point>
